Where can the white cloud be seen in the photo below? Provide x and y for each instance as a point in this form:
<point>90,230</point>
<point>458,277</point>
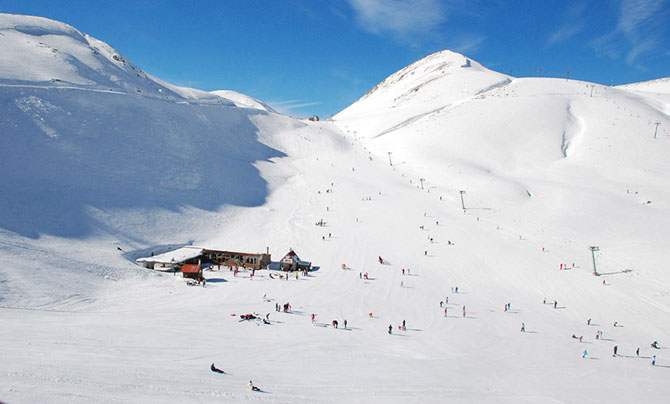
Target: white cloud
<point>572,25</point>
<point>564,33</point>
<point>641,25</point>
<point>402,17</point>
<point>469,44</point>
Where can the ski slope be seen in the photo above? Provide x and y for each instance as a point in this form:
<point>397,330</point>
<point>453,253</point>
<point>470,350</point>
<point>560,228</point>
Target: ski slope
<point>547,169</point>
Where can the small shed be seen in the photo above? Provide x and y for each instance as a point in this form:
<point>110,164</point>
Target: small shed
<point>192,271</point>
<point>291,262</point>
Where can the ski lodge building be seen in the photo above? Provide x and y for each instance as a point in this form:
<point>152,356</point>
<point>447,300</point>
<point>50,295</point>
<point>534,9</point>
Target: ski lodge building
<point>173,260</point>
<point>237,259</point>
<point>291,262</point>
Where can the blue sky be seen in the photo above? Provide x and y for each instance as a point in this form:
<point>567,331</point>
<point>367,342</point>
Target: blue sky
<point>308,57</point>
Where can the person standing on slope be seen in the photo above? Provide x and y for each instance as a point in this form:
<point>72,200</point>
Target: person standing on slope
<point>390,329</point>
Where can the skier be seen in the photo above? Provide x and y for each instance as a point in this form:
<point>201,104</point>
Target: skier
<point>335,323</point>
<point>523,327</point>
<point>555,303</point>
<point>403,271</point>
<point>403,325</point>
<point>313,319</point>
<point>585,353</point>
<point>445,312</point>
<point>215,369</point>
<point>402,285</point>
<point>588,322</point>
<point>390,329</point>
<point>653,361</point>
<point>441,303</point>
<point>345,324</point>
<point>616,348</point>
<point>637,351</point>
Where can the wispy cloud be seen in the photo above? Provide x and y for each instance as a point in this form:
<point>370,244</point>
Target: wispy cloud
<point>469,44</point>
<point>572,25</point>
<point>288,107</point>
<point>399,17</point>
<point>564,33</point>
<point>641,25</point>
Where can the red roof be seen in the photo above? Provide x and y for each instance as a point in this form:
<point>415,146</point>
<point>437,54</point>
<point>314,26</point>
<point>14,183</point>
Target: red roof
<point>191,269</point>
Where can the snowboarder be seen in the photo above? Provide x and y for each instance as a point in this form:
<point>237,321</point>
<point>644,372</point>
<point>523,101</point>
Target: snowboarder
<point>252,387</point>
<point>655,345</point>
<point>637,351</point>
<point>215,369</point>
<point>588,322</point>
<point>523,327</point>
<point>390,329</point>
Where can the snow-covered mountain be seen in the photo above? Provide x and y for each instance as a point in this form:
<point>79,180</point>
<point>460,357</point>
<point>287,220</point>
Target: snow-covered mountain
<point>85,131</point>
<point>527,148</point>
<point>102,163</point>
